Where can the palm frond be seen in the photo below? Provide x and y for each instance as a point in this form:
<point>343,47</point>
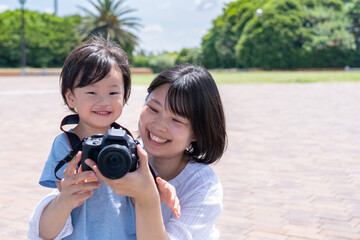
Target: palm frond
<point>111,17</point>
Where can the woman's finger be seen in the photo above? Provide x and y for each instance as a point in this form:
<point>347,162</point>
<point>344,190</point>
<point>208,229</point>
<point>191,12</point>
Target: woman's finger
<point>143,158</point>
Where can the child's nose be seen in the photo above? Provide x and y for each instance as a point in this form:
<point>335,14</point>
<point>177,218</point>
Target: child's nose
<point>103,100</point>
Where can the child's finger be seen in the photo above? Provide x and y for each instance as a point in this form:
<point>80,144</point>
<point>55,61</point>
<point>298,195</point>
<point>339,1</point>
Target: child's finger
<point>177,208</point>
<point>168,196</point>
<point>95,168</point>
<point>71,167</point>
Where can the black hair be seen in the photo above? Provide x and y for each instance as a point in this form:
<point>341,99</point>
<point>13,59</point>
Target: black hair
<point>90,62</point>
<point>193,94</point>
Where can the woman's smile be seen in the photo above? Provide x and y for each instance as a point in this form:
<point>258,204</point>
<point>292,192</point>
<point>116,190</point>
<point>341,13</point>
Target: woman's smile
<point>157,139</point>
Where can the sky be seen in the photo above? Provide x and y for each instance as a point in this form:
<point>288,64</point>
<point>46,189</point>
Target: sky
<point>167,25</point>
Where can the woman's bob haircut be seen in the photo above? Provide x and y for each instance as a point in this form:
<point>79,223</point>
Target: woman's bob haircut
<point>193,94</point>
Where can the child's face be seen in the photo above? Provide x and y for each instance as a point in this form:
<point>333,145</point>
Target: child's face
<point>101,103</point>
<point>164,134</point>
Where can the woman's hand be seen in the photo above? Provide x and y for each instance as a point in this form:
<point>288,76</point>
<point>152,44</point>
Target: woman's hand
<point>76,187</point>
<point>139,185</point>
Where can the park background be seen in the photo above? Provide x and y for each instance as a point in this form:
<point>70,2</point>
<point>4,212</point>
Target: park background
<point>260,34</point>
<point>291,170</point>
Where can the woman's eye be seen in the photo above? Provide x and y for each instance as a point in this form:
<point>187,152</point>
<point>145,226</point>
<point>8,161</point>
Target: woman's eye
<point>177,120</point>
<point>91,93</point>
<point>114,93</point>
<point>153,109</point>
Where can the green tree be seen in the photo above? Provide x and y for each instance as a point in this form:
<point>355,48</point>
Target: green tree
<point>331,44</point>
<point>189,55</point>
<point>280,34</point>
<point>354,15</point>
<point>111,17</point>
<point>274,39</point>
<point>49,39</point>
<point>162,61</point>
<point>218,45</point>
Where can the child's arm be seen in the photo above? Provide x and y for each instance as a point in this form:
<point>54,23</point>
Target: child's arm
<point>75,189</point>
<point>168,196</point>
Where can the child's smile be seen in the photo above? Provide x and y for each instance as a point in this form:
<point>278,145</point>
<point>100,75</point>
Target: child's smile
<point>99,104</point>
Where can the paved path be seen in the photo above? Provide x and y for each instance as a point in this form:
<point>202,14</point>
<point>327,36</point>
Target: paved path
<point>291,171</point>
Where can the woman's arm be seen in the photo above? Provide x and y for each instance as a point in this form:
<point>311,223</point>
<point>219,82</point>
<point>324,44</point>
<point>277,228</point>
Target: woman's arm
<point>34,219</point>
<point>75,189</point>
<point>201,194</point>
<point>140,185</point>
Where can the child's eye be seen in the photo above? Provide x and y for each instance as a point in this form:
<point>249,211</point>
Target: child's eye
<point>114,93</point>
<point>91,93</point>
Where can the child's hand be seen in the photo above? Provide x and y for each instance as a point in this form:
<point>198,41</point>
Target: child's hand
<point>168,196</point>
<point>75,188</point>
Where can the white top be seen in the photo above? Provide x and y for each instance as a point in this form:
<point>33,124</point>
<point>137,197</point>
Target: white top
<point>200,193</point>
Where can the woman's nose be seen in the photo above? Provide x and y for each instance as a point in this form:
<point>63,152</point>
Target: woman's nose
<point>161,124</point>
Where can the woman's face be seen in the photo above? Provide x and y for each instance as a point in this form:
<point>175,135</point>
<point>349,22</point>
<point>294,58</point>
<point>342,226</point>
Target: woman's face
<point>164,134</point>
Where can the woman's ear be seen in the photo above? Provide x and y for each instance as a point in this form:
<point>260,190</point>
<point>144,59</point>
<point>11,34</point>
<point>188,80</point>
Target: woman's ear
<point>70,99</point>
<point>193,139</point>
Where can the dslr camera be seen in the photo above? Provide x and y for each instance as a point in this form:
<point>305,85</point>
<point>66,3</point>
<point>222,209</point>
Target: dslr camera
<point>115,153</point>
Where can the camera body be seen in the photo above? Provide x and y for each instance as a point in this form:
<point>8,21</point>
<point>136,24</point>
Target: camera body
<point>115,153</point>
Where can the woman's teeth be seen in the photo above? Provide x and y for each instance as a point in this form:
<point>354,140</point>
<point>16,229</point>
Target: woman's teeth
<point>157,139</point>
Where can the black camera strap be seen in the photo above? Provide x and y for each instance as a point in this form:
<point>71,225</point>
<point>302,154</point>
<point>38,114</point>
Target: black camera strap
<point>76,144</point>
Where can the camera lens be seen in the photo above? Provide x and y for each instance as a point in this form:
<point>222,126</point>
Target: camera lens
<point>114,161</point>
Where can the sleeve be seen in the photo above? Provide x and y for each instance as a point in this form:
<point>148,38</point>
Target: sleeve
<point>59,150</point>
<point>34,219</point>
<point>201,205</point>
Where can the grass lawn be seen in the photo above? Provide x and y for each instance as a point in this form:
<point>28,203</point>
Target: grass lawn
<point>269,77</point>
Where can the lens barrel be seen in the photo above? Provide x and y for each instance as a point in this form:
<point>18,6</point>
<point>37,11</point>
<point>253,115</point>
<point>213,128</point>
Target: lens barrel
<point>114,161</point>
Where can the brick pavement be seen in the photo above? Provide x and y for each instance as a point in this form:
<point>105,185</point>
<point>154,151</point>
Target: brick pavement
<point>291,170</point>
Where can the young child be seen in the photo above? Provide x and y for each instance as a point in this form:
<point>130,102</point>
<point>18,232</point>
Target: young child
<point>95,84</point>
<point>182,126</point>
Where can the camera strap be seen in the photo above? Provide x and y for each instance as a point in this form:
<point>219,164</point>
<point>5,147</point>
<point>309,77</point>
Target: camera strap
<point>76,144</point>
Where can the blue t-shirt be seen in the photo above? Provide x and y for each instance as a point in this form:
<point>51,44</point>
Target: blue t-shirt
<point>105,215</point>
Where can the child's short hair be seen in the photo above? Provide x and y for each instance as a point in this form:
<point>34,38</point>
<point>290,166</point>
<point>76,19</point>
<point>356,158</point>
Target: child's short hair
<point>92,61</point>
<point>193,94</point>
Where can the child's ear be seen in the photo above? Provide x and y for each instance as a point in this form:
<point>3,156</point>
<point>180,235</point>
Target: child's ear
<point>70,99</point>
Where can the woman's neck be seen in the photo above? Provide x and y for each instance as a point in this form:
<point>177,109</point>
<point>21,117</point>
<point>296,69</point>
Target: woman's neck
<point>169,168</point>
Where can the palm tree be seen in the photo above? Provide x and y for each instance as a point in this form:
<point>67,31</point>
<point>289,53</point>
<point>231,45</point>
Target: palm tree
<point>109,19</point>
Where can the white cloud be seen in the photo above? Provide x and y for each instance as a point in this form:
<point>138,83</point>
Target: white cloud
<point>3,8</point>
<point>155,28</point>
<point>205,4</point>
<point>163,5</point>
<point>49,10</point>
